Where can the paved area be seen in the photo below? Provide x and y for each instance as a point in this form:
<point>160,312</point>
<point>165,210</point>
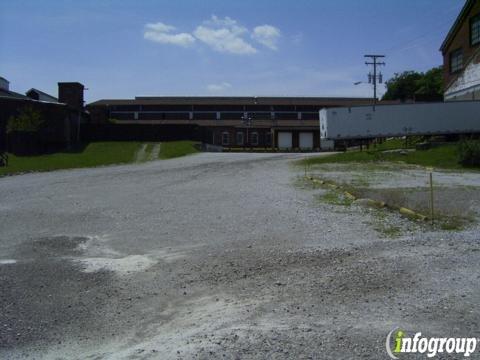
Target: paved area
<point>216,256</point>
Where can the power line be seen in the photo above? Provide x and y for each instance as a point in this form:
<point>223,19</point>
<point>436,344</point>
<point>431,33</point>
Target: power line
<point>420,37</point>
<point>407,45</point>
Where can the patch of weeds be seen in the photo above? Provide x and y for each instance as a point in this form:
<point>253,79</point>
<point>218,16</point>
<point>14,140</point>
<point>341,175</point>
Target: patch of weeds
<point>361,180</point>
<point>389,231</point>
<point>454,223</point>
<point>381,225</point>
<point>335,198</point>
<point>301,183</point>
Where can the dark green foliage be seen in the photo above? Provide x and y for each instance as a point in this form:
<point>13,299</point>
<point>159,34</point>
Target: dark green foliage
<point>469,153</point>
<point>409,84</point>
<point>29,120</point>
<point>431,83</point>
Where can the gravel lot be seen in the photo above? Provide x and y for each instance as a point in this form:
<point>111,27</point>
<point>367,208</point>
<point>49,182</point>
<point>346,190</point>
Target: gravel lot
<point>218,256</point>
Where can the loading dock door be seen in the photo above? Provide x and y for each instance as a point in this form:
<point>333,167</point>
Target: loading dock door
<point>284,140</point>
<point>306,140</point>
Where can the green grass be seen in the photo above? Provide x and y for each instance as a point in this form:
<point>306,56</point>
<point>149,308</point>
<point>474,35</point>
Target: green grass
<point>440,157</point>
<point>397,143</point>
<point>173,149</point>
<point>94,154</point>
<point>335,198</point>
<point>381,225</point>
<point>389,231</point>
<point>454,223</point>
<point>149,148</point>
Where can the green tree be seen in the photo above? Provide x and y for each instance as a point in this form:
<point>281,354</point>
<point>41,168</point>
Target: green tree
<point>409,84</point>
<point>431,82</point>
<point>28,119</point>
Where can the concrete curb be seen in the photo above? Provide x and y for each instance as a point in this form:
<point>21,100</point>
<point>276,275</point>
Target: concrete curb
<point>350,196</point>
<point>376,203</point>
<point>410,213</point>
<point>372,203</point>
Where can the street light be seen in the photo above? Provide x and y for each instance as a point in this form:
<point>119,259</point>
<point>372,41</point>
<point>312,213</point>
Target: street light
<point>247,121</point>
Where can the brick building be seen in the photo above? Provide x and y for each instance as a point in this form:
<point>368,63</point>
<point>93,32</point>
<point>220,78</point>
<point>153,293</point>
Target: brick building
<point>61,118</point>
<point>461,55</point>
<point>279,122</point>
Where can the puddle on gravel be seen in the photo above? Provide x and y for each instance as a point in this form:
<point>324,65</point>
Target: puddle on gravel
<point>124,265</point>
<point>60,245</point>
<point>7,261</point>
<point>93,254</point>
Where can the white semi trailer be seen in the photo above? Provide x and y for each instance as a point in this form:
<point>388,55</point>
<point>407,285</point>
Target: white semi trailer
<point>365,122</point>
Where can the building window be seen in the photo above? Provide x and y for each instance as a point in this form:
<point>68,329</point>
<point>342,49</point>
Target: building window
<point>225,138</point>
<point>475,30</point>
<point>456,61</point>
<point>254,138</point>
<point>268,139</point>
<point>239,138</point>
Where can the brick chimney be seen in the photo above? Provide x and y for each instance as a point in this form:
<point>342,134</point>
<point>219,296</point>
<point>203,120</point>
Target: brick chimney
<point>71,93</point>
<point>4,84</point>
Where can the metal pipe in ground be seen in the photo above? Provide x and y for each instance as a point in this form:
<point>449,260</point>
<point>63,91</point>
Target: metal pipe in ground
<point>431,196</point>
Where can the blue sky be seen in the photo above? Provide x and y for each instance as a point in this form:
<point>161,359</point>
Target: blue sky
<point>121,49</point>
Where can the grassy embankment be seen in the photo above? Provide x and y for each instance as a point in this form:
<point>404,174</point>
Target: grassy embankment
<point>445,157</point>
<point>98,154</point>
<point>173,149</point>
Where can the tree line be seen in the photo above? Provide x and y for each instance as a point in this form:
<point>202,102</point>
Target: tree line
<point>414,85</point>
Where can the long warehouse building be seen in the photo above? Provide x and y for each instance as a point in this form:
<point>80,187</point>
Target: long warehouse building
<point>278,122</point>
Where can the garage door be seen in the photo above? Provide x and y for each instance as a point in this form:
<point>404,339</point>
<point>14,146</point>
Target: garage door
<point>285,140</point>
<point>306,140</point>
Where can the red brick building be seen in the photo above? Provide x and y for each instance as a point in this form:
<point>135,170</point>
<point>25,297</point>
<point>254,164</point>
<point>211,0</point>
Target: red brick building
<point>278,122</point>
<point>60,119</point>
<point>461,55</point>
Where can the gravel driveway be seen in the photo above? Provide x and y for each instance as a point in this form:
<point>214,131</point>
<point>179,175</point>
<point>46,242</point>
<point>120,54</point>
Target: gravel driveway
<point>216,256</point>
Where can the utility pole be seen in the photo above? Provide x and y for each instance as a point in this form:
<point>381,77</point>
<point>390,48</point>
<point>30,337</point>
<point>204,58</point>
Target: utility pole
<point>372,79</point>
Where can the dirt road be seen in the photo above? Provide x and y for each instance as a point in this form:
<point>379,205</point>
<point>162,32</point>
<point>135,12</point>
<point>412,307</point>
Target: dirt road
<point>216,256</point>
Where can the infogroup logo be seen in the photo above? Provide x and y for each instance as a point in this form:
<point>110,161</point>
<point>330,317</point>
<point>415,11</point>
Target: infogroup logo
<point>398,343</point>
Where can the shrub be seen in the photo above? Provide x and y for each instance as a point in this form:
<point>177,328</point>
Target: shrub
<point>469,153</point>
<point>29,120</point>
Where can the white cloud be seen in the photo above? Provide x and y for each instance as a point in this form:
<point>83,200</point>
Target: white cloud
<point>220,34</point>
<point>162,33</point>
<point>217,88</point>
<point>226,21</point>
<point>159,27</point>
<point>224,35</point>
<point>266,35</point>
